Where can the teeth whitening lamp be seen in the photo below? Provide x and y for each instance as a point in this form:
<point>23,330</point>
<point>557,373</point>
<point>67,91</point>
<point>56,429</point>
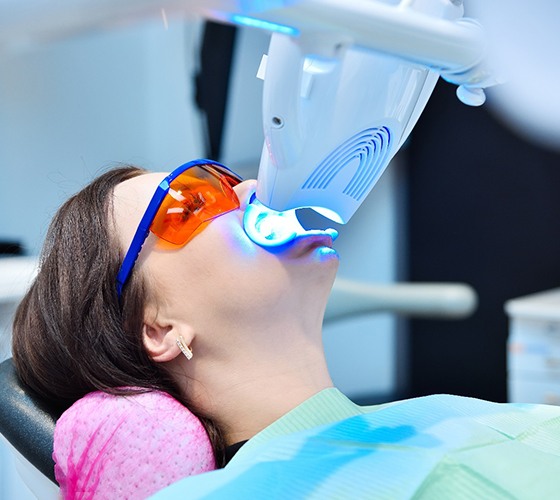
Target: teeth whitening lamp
<point>344,84</point>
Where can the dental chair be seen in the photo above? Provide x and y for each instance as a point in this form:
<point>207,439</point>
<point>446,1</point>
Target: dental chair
<point>27,428</point>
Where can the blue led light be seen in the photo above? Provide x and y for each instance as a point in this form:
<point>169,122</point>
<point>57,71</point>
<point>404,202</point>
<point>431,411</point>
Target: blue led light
<point>266,25</point>
<point>269,228</point>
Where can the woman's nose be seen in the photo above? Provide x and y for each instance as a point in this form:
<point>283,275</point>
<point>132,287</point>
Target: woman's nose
<point>244,191</point>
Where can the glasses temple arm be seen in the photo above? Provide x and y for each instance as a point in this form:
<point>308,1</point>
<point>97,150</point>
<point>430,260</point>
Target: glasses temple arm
<point>139,238</point>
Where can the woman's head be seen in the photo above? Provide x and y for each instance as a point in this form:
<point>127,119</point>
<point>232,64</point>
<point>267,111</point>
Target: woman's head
<point>220,282</point>
<point>73,334</point>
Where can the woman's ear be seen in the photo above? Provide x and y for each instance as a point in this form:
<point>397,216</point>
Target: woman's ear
<point>160,338</point>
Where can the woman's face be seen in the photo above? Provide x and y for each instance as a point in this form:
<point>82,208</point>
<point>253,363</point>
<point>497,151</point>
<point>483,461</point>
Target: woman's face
<point>220,271</point>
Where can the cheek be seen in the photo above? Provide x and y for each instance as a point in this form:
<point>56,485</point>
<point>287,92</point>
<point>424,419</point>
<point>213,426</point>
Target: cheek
<point>221,268</point>
<point>212,264</point>
<point>246,271</point>
<point>226,241</point>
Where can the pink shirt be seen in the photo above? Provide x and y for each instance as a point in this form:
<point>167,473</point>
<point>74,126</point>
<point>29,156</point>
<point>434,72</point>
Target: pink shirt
<point>129,447</point>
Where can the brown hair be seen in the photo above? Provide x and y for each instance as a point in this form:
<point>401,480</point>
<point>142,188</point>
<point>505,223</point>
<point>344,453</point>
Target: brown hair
<point>71,334</point>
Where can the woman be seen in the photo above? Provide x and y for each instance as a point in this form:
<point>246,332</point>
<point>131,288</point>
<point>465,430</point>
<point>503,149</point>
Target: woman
<point>165,296</point>
<point>226,327</point>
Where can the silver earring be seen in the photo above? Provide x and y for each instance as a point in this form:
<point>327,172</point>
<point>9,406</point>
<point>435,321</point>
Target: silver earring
<point>186,350</point>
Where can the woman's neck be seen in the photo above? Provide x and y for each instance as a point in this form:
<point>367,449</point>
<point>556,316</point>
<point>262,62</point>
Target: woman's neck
<point>250,406</point>
<point>258,384</point>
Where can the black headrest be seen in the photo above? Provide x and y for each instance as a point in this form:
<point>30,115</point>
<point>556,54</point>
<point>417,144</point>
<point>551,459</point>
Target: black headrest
<point>26,420</point>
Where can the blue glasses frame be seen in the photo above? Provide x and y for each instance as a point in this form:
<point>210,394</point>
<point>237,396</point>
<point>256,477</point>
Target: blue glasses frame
<point>143,229</point>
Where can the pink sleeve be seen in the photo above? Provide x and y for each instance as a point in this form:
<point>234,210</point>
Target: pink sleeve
<point>127,446</point>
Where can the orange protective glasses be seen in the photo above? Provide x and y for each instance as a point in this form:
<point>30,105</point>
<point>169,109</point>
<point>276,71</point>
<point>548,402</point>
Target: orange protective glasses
<point>191,195</point>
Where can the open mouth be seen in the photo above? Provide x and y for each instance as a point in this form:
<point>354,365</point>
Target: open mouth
<point>269,228</point>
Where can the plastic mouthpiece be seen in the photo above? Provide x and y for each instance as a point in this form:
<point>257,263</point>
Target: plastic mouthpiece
<point>269,228</point>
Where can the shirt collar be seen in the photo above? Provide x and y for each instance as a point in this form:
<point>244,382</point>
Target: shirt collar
<point>325,407</point>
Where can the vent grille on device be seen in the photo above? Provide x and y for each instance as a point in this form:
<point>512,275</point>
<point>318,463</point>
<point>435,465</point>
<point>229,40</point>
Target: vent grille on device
<point>369,148</point>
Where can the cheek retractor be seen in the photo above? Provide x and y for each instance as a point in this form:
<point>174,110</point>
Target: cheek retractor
<point>269,228</point>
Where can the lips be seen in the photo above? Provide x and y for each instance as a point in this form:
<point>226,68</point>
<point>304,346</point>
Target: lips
<point>312,239</point>
<point>321,235</point>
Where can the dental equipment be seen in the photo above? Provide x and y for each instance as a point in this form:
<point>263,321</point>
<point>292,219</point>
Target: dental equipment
<point>270,228</point>
<point>344,81</point>
<point>344,85</point>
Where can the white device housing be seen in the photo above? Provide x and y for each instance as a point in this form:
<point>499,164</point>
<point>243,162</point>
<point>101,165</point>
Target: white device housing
<point>334,116</point>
